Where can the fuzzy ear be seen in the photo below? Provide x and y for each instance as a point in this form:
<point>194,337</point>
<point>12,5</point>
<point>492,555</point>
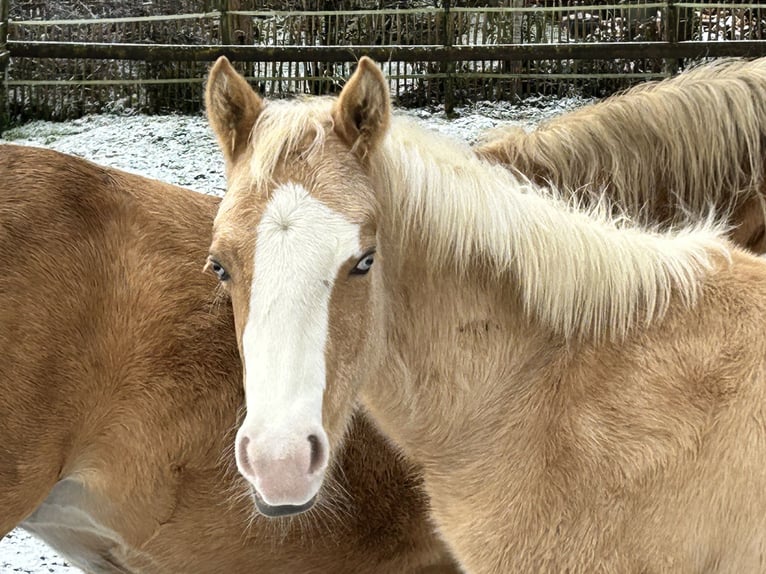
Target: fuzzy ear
<point>232,108</point>
<point>362,113</point>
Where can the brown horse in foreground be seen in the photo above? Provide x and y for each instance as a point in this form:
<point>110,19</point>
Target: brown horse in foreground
<point>663,151</point>
<point>120,387</point>
<point>583,394</point>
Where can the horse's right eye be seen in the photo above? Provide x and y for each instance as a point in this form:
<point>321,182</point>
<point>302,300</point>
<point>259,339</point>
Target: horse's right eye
<point>218,269</point>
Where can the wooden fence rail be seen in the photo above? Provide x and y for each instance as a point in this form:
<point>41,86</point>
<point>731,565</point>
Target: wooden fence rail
<point>432,53</point>
<point>459,45</point>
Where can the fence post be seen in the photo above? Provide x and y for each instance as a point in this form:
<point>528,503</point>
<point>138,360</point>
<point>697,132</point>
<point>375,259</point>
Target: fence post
<point>517,37</point>
<point>225,23</point>
<point>671,34</point>
<point>4,59</point>
<point>240,27</point>
<point>235,29</point>
<point>448,67</point>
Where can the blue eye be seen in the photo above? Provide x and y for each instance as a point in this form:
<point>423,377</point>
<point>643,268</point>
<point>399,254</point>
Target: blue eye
<point>218,269</point>
<point>364,264</point>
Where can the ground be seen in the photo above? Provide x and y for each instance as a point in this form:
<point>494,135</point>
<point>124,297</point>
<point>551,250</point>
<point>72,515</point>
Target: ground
<point>181,150</point>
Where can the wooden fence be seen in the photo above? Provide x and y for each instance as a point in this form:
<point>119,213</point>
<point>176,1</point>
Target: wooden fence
<point>5,57</point>
<point>447,53</point>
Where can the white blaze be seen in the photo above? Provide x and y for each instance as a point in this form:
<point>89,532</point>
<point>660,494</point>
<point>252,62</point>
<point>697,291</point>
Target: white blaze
<point>300,246</point>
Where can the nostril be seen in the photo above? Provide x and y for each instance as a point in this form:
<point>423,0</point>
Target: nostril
<point>317,456</point>
<point>244,459</point>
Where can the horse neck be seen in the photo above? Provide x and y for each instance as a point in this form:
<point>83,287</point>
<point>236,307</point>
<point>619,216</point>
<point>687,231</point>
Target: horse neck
<point>480,281</point>
<point>579,273</point>
<point>445,333</point>
<point>448,323</point>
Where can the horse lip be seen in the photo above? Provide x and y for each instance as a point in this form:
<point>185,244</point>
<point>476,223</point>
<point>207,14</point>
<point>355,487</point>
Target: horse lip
<point>282,509</point>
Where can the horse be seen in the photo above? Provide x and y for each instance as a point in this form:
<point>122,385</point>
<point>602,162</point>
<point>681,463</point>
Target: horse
<point>582,393</point>
<point>666,151</point>
<point>121,390</point>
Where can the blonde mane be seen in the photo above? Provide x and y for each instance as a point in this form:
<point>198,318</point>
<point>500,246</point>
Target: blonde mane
<point>584,273</point>
<point>696,142</point>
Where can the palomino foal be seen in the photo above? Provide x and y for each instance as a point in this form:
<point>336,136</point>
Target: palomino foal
<point>583,395</point>
<point>120,382</point>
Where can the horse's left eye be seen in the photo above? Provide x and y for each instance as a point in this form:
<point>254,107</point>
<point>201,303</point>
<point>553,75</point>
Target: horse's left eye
<point>218,269</point>
<point>364,264</point>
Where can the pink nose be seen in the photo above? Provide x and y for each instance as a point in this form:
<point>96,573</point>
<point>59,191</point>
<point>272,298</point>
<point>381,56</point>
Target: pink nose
<point>290,479</point>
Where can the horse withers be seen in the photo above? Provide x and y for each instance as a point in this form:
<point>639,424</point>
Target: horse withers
<point>582,393</point>
<point>120,388</point>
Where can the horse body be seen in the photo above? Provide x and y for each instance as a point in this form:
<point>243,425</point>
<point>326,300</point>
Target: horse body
<point>540,455</point>
<point>544,452</point>
<point>696,142</point>
<point>121,388</point>
<point>583,394</point>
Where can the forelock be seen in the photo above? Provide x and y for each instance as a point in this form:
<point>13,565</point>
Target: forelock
<point>288,129</point>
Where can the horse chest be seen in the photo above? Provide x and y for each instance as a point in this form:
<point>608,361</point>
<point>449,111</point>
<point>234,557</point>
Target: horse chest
<point>73,521</point>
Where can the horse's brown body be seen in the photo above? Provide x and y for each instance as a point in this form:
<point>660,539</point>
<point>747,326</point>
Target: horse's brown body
<point>664,151</point>
<point>120,386</point>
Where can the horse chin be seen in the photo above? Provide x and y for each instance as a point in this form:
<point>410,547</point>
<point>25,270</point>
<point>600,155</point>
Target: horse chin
<point>283,509</point>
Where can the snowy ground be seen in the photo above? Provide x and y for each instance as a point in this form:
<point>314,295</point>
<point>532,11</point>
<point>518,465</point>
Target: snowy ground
<point>181,150</point>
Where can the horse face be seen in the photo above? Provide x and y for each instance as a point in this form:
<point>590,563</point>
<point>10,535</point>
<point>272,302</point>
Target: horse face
<point>294,245</point>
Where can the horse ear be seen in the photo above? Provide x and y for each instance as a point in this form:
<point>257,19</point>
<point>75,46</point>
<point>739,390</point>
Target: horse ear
<point>232,108</point>
<point>363,110</point>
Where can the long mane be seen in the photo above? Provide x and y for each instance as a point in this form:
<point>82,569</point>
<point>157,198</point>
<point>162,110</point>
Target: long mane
<point>585,273</point>
<point>680,146</point>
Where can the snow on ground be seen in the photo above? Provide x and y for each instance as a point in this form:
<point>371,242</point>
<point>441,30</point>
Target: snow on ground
<point>20,553</point>
<point>182,150</point>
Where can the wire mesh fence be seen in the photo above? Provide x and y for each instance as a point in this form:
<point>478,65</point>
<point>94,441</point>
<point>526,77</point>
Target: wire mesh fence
<point>76,77</point>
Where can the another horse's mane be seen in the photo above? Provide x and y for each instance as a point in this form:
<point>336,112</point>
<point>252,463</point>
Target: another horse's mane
<point>696,141</point>
<point>584,273</point>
